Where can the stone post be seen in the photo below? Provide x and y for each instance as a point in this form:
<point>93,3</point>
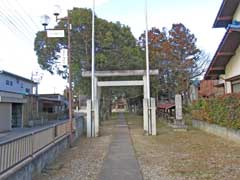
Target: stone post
<point>89,118</point>
<point>145,105</point>
<point>179,122</point>
<point>178,105</point>
<point>96,118</point>
<point>153,117</point>
<point>145,115</point>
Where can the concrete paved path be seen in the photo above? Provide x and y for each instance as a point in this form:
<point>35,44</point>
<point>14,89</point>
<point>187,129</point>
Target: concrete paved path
<point>121,163</point>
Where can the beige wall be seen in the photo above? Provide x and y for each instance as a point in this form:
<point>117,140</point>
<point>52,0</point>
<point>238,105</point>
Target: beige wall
<point>233,67</point>
<point>237,14</point>
<point>5,116</point>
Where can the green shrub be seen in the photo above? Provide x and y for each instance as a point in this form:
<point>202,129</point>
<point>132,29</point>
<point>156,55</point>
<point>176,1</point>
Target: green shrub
<point>223,110</point>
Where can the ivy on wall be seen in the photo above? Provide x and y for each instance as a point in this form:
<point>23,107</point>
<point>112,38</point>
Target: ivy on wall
<point>223,110</point>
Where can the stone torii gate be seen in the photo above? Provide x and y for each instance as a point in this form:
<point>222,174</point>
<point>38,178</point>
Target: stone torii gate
<point>149,107</point>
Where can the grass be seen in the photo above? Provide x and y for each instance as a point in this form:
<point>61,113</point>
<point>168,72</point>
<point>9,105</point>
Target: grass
<point>183,155</point>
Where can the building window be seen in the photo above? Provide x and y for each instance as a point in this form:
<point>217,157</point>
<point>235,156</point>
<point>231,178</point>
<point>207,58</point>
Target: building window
<point>17,81</point>
<point>7,82</point>
<point>27,90</point>
<point>236,86</point>
<point>11,83</point>
<point>21,85</point>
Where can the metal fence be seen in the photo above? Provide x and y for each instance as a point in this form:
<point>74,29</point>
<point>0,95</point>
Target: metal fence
<point>23,147</point>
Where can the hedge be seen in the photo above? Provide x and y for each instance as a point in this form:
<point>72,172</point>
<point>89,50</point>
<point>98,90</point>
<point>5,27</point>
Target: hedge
<point>223,110</point>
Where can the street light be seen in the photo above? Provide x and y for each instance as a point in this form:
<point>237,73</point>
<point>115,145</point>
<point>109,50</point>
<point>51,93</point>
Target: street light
<point>56,11</point>
<point>45,21</point>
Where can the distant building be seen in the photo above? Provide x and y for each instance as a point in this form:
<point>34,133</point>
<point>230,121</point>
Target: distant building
<point>21,105</point>
<point>43,108</point>
<point>13,89</point>
<point>120,105</point>
<point>225,66</point>
<point>52,103</point>
<point>10,82</point>
<point>210,88</point>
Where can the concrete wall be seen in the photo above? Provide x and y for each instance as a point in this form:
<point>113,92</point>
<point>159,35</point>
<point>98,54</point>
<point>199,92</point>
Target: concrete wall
<point>34,167</point>
<point>37,164</point>
<point>5,117</point>
<point>237,14</point>
<point>230,134</point>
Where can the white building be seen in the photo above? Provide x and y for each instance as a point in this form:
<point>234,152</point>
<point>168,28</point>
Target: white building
<point>225,65</point>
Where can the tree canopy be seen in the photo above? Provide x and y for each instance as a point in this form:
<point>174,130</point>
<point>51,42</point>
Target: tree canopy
<point>173,52</point>
<point>115,49</point>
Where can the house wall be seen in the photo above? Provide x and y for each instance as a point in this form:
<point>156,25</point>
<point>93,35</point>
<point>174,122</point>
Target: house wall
<point>237,14</point>
<point>16,85</point>
<point>5,116</point>
<point>233,67</point>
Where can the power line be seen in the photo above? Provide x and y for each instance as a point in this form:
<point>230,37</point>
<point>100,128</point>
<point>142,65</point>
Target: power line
<point>13,12</point>
<point>27,14</point>
<point>11,25</point>
<point>7,23</point>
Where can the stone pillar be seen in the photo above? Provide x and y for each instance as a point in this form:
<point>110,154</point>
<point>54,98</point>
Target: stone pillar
<point>145,105</point>
<point>89,119</point>
<point>145,87</point>
<point>96,118</point>
<point>145,115</point>
<point>178,105</point>
<point>179,122</point>
<point>153,117</point>
<point>95,88</point>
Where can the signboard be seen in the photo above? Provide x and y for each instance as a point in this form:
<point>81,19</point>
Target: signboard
<point>55,33</point>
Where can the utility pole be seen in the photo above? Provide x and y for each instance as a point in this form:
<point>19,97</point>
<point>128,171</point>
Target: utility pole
<point>70,78</point>
<point>147,50</point>
<point>147,71</point>
<point>93,98</point>
<point>45,22</point>
<point>93,51</point>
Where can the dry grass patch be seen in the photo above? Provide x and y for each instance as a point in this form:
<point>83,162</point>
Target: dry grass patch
<point>184,155</point>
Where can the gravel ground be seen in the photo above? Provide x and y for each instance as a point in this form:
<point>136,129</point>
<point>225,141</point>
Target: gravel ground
<point>187,155</point>
<point>191,155</point>
<point>83,161</point>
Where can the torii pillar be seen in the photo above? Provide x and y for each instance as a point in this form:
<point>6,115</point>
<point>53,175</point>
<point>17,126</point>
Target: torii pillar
<point>149,106</point>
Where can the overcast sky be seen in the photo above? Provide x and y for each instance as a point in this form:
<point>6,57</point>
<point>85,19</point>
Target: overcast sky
<point>20,20</point>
